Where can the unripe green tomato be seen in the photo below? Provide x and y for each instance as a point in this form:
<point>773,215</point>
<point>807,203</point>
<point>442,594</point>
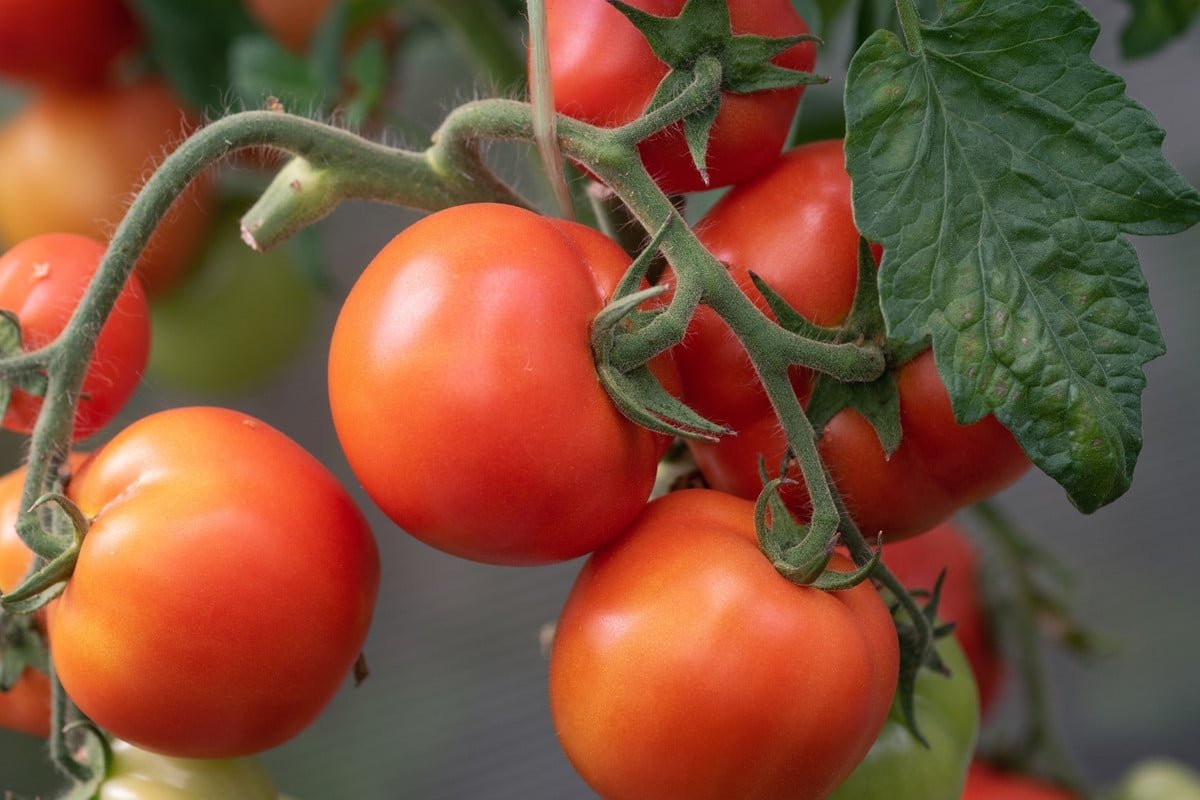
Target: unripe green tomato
<point>136,774</point>
<point>898,767</point>
<point>235,320</point>
<point>1160,779</point>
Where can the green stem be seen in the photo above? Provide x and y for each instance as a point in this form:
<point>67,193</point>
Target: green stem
<point>698,95</point>
<point>60,752</point>
<point>910,23</point>
<point>545,121</point>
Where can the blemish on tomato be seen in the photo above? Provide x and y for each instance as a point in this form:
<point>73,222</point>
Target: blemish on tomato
<point>40,270</point>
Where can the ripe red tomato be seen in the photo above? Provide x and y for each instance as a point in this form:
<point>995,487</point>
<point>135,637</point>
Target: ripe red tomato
<point>63,41</point>
<point>987,783</point>
<point>223,591</point>
<point>604,72</point>
<point>292,23</point>
<point>464,393</point>
<point>917,563</point>
<point>794,227</point>
<point>71,161</point>
<point>684,665</point>
<point>42,280</point>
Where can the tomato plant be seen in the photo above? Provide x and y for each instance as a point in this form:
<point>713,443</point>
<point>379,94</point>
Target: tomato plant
<point>917,562</point>
<point>234,320</point>
<point>939,466</point>
<point>684,665</point>
<point>987,783</point>
<point>136,774</point>
<point>41,281</point>
<point>71,160</point>
<point>545,467</point>
<point>223,590</point>
<point>603,71</point>
<point>899,766</point>
<point>63,42</point>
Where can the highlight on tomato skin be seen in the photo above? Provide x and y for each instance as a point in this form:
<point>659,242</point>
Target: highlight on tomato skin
<point>42,280</point>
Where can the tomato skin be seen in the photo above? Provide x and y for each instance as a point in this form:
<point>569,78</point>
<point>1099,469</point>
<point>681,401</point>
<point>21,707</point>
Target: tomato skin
<point>604,72</point>
<point>464,394</point>
<point>63,42</point>
<point>42,280</point>
<point>940,465</point>
<point>71,161</point>
<point>136,774</point>
<point>917,562</point>
<point>987,783</point>
<point>684,665</point>
<point>898,766</point>
<point>219,549</point>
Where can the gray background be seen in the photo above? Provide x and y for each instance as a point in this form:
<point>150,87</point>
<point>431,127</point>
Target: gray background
<point>456,706</point>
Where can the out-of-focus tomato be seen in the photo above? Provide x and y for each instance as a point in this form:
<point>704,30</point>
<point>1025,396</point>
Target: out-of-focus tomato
<point>136,774</point>
<point>685,666</point>
<point>234,320</point>
<point>42,281</point>
<point>604,72</point>
<point>223,591</point>
<point>292,22</point>
<point>64,42</point>
<point>987,783</point>
<point>464,391</point>
<point>71,162</point>
<point>917,562</point>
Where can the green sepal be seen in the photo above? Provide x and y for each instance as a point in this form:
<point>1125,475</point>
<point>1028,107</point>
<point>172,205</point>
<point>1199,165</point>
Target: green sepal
<point>917,654</point>
<point>29,602</point>
<point>93,761</point>
<point>878,401</point>
<point>48,581</point>
<point>788,317</point>
<point>10,333</point>
<point>641,398</point>
<point>832,581</point>
<point>21,646</point>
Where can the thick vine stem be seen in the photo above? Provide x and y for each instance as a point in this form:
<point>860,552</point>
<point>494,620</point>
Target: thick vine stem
<point>910,23</point>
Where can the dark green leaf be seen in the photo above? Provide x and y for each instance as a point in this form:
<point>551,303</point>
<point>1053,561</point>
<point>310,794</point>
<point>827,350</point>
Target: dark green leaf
<point>261,68</point>
<point>190,41</point>
<point>999,168</point>
<point>1154,23</point>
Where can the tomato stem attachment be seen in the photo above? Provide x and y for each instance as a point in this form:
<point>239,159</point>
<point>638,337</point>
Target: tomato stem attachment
<point>910,23</point>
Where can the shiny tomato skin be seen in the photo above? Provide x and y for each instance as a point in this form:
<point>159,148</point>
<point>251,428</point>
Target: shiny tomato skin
<point>464,393</point>
<point>917,562</point>
<point>72,161</point>
<point>223,591</point>
<point>604,72</point>
<point>987,783</point>
<point>42,280</point>
<point>684,665</point>
<point>63,42</point>
<point>793,226</point>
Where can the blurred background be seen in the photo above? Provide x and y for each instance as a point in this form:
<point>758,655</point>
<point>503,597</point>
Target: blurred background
<point>456,706</point>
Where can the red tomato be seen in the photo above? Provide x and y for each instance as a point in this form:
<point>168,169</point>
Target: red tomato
<point>986,783</point>
<point>71,161</point>
<point>464,393</point>
<point>223,591</point>
<point>63,41</point>
<point>794,227</point>
<point>604,72</point>
<point>292,23</point>
<point>42,281</point>
<point>685,666</point>
<point>917,563</point>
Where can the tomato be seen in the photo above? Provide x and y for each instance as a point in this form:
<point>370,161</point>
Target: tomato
<point>63,41</point>
<point>684,665</point>
<point>604,72</point>
<point>292,23</point>
<point>235,320</point>
<point>898,766</point>
<point>464,393</point>
<point>987,783</point>
<point>1160,779</point>
<point>223,591</point>
<point>42,281</point>
<point>794,227</point>
<point>917,563</point>
<point>136,774</point>
<point>71,161</point>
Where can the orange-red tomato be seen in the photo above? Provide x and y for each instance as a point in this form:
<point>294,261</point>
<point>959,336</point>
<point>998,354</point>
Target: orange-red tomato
<point>464,392</point>
<point>986,783</point>
<point>794,227</point>
<point>42,281</point>
<point>223,591</point>
<point>685,666</point>
<point>72,160</point>
<point>604,72</point>
<point>64,42</point>
<point>291,22</point>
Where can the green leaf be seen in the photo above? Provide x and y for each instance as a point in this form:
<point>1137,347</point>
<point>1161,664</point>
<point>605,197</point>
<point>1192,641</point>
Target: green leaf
<point>999,168</point>
<point>1154,23</point>
<point>262,68</point>
<point>190,42</point>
